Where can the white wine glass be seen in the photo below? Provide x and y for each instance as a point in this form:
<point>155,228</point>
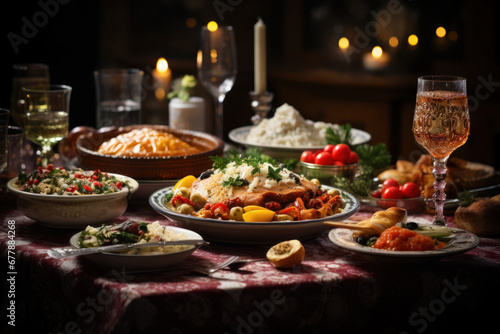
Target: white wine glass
<point>47,118</point>
<point>441,124</point>
<point>217,67</point>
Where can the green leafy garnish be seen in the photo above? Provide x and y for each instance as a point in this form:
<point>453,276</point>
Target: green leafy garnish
<point>22,177</point>
<point>236,182</point>
<point>375,156</point>
<point>361,186</point>
<point>274,174</point>
<point>342,135</point>
<point>183,88</point>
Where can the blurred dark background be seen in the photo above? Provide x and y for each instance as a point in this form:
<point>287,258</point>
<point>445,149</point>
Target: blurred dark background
<point>306,67</point>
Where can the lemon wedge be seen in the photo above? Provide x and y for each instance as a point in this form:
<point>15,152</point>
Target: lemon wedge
<point>264,215</point>
<point>186,181</point>
<point>286,254</point>
<point>254,207</point>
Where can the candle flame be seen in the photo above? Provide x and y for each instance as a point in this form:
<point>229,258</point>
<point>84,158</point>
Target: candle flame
<point>343,43</point>
<point>212,26</point>
<point>162,65</point>
<point>377,52</point>
<point>413,39</point>
<point>440,32</point>
<point>393,41</point>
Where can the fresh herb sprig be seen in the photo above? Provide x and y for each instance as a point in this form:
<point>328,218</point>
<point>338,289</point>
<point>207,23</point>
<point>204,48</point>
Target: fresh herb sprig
<point>375,156</point>
<point>341,135</point>
<point>235,182</point>
<point>274,173</point>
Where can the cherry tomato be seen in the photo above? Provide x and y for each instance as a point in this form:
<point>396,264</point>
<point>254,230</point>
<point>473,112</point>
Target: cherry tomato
<point>389,183</point>
<point>329,148</point>
<point>410,190</point>
<point>353,158</point>
<point>315,154</point>
<point>323,158</point>
<point>392,193</point>
<point>341,152</point>
<point>307,156</point>
<point>377,194</point>
<point>338,163</point>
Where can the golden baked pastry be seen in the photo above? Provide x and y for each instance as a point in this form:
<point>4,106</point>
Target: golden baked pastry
<point>481,217</point>
<point>146,142</point>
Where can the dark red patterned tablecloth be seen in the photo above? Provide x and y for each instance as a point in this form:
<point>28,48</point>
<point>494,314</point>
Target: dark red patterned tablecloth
<point>333,291</point>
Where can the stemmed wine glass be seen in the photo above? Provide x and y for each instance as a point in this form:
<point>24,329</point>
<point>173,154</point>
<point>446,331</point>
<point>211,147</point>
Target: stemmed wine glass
<point>47,120</point>
<point>217,67</point>
<point>441,125</point>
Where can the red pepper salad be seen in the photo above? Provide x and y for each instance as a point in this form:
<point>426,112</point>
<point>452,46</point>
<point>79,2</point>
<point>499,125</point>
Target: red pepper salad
<point>58,181</point>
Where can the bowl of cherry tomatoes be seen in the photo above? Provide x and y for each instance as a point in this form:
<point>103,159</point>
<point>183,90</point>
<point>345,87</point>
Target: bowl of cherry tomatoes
<point>332,160</point>
<point>391,193</point>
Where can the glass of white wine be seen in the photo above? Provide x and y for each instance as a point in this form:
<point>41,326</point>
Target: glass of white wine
<point>47,120</point>
<point>217,67</point>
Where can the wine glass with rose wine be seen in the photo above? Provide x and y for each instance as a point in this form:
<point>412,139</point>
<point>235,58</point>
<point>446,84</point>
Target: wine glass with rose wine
<point>217,67</point>
<point>441,125</point>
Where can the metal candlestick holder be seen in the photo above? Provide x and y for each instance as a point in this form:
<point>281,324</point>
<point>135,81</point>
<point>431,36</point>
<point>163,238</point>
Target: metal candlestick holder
<point>261,104</point>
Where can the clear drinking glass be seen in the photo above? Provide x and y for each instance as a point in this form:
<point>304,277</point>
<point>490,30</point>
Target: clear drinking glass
<point>441,124</point>
<point>217,67</point>
<point>47,118</point>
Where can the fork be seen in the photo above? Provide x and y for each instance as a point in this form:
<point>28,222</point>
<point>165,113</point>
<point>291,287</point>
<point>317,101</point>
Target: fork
<point>204,271</point>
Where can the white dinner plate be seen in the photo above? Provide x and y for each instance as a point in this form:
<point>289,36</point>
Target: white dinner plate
<point>279,152</point>
<point>239,232</point>
<point>141,261</point>
<point>461,243</point>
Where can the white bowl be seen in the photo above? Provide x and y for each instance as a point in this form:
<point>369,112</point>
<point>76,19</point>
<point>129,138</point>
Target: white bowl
<point>141,261</point>
<point>73,212</point>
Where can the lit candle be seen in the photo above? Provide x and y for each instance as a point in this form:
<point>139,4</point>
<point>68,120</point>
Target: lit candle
<point>163,76</point>
<point>375,60</point>
<point>260,57</point>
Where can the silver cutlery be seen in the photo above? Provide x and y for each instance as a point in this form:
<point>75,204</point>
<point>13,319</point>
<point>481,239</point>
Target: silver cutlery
<point>61,252</point>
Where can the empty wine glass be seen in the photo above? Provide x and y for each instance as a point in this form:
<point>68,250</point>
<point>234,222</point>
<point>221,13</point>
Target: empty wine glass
<point>217,67</point>
<point>47,120</point>
<point>441,125</point>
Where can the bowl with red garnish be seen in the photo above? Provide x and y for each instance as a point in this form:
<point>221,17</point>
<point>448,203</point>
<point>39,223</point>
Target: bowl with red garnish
<point>391,193</point>
<point>331,161</point>
<point>71,199</point>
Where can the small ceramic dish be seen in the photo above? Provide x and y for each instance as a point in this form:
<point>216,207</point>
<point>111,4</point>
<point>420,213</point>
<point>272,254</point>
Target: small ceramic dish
<point>74,212</point>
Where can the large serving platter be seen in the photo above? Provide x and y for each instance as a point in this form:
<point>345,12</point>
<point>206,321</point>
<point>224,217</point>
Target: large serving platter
<point>237,232</point>
<point>74,212</point>
<point>141,261</point>
<point>239,136</point>
<point>461,243</point>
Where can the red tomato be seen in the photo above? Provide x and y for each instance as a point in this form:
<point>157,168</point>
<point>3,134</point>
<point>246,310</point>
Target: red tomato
<point>338,163</point>
<point>392,193</point>
<point>341,152</point>
<point>389,183</point>
<point>323,158</point>
<point>410,190</point>
<point>377,194</point>
<point>353,158</point>
<point>329,148</point>
<point>307,156</point>
<point>317,152</point>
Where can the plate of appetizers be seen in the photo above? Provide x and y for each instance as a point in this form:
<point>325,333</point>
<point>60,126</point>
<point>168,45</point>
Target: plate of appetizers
<point>406,241</point>
<point>136,232</point>
<point>252,202</point>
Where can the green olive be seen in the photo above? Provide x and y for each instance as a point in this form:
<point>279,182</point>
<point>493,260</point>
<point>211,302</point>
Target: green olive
<point>283,217</point>
<point>236,213</point>
<point>185,209</point>
<point>182,191</point>
<point>333,192</point>
<point>198,200</point>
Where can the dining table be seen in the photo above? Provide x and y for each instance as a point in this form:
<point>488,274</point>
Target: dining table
<point>334,290</point>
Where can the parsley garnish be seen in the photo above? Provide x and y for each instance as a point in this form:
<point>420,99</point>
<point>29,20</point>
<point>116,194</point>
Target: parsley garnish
<point>340,135</point>
<point>235,182</point>
<point>274,174</point>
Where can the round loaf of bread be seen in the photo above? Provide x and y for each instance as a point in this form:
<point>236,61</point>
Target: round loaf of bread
<point>481,217</point>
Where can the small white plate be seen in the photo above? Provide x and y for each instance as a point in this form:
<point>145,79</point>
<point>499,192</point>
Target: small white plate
<point>239,136</point>
<point>239,232</point>
<point>141,261</point>
<point>461,243</point>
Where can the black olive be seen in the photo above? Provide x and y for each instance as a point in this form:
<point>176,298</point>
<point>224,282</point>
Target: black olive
<point>295,178</point>
<point>206,174</point>
<point>371,241</point>
<point>412,226</point>
<point>244,182</point>
<point>362,240</point>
